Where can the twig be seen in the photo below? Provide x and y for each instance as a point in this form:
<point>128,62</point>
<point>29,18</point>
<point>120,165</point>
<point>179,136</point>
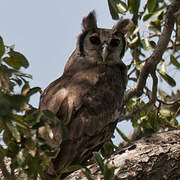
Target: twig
<point>156,56</point>
<point>144,106</point>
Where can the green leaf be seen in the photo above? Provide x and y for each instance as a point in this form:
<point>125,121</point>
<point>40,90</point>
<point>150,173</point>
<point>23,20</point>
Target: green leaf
<point>21,158</point>
<point>146,43</point>
<point>99,160</point>
<point>155,26</point>
<point>5,106</point>
<point>121,6</point>
<point>17,102</point>
<point>135,42</point>
<point>153,44</point>
<point>108,171</point>
<point>133,6</point>
<point>71,168</point>
<point>87,173</point>
<point>12,148</point>
<point>107,149</point>
<point>16,60</point>
<point>151,4</point>
<point>167,78</point>
<point>33,163</point>
<point>20,74</point>
<point>19,119</point>
<point>113,9</point>
<point>124,137</point>
<point>34,90</point>
<point>2,150</point>
<point>2,47</point>
<point>174,61</point>
<point>154,14</point>
<point>14,131</point>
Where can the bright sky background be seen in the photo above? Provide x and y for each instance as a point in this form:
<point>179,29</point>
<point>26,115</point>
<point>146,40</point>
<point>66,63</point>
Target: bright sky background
<point>45,31</point>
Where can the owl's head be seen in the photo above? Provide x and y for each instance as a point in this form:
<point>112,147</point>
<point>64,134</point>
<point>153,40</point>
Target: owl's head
<point>102,45</point>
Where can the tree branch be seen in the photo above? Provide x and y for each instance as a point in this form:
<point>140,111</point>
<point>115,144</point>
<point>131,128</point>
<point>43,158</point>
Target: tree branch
<point>156,56</point>
<point>144,106</point>
<point>152,157</point>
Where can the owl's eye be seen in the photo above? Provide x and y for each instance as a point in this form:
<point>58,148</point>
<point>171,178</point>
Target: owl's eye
<point>95,40</point>
<point>114,42</point>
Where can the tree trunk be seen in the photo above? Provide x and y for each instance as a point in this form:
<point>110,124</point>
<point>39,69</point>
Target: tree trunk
<point>152,157</point>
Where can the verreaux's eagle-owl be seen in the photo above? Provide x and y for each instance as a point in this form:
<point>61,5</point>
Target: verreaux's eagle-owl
<point>88,95</point>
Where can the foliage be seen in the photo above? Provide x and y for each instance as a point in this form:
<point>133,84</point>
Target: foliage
<point>20,121</point>
<point>148,18</point>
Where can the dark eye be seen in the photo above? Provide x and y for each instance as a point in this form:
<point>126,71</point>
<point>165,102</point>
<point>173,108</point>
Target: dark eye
<point>95,40</point>
<point>114,42</point>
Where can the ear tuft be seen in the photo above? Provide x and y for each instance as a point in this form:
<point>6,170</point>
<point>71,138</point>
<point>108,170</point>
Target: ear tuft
<point>123,25</point>
<point>89,22</point>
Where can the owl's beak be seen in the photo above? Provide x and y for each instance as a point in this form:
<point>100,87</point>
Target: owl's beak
<point>104,52</point>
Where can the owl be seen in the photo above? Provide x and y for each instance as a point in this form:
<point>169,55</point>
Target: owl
<point>88,95</point>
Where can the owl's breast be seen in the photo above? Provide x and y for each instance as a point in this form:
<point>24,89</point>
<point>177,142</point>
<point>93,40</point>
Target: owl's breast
<point>96,95</point>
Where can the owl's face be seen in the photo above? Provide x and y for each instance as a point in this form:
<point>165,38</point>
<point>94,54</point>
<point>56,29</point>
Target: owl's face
<point>100,45</point>
<point>104,46</point>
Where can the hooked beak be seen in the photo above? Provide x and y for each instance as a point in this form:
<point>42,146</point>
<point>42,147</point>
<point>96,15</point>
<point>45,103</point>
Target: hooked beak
<point>104,52</point>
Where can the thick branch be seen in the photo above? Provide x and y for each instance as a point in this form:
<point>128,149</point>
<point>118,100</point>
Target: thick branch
<point>152,157</point>
<point>156,56</point>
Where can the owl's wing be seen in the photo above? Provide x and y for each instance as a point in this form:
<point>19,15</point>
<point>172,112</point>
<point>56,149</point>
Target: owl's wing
<point>86,90</point>
<point>65,95</point>
<point>86,101</point>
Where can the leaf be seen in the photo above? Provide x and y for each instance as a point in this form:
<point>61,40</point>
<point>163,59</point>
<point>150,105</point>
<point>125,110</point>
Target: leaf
<point>25,89</point>
<point>16,60</point>
<point>151,4</point>
<point>108,171</point>
<point>71,168</point>
<point>21,158</point>
<point>122,7</point>
<point>34,90</point>
<point>155,26</point>
<point>17,102</point>
<point>12,148</point>
<point>20,74</point>
<point>2,150</point>
<point>154,14</point>
<point>146,44</point>
<point>14,131</point>
<point>19,119</point>
<point>174,61</point>
<point>2,47</point>
<point>153,44</point>
<point>87,173</point>
<point>134,42</point>
<point>133,6</point>
<point>167,78</point>
<point>99,160</point>
<point>124,137</point>
<point>33,163</point>
<point>107,149</point>
<point>113,9</point>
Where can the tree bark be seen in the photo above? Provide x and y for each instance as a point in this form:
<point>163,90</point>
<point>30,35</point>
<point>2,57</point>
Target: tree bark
<point>155,157</point>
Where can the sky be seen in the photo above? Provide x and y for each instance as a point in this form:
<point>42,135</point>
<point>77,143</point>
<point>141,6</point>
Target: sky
<point>45,31</point>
